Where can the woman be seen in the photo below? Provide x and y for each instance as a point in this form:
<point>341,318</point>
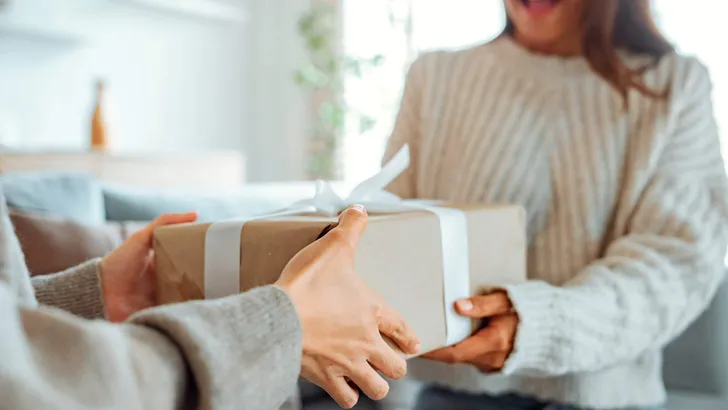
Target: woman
<point>585,115</point>
<point>243,351</point>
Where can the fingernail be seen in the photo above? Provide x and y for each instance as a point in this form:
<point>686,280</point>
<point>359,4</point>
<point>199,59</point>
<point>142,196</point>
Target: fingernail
<point>358,208</point>
<point>417,347</point>
<point>464,305</point>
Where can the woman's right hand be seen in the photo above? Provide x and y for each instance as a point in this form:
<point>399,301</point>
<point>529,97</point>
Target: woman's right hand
<point>343,319</point>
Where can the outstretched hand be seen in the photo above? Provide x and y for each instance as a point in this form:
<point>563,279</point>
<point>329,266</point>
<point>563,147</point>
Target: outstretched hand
<point>343,319</point>
<point>128,276</point>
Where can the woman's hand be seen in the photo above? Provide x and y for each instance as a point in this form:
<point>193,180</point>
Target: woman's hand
<point>489,348</point>
<point>343,319</point>
<point>128,277</point>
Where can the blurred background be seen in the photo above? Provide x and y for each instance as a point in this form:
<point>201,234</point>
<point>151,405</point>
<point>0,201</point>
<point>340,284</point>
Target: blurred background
<point>274,80</point>
<point>115,111</point>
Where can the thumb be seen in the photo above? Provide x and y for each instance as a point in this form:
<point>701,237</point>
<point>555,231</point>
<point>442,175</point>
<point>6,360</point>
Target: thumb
<point>352,223</point>
<point>143,237</point>
<point>173,219</point>
<point>484,306</point>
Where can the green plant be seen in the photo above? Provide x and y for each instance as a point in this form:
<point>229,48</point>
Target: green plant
<point>323,76</point>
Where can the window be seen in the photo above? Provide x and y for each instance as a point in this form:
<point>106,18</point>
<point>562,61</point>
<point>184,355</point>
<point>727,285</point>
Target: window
<point>401,29</point>
<point>696,28</point>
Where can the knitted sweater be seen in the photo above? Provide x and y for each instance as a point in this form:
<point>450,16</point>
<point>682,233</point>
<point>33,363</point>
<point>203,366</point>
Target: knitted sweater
<point>240,352</point>
<point>627,209</point>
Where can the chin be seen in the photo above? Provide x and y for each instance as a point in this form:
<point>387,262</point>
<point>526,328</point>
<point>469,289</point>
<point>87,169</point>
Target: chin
<point>541,22</point>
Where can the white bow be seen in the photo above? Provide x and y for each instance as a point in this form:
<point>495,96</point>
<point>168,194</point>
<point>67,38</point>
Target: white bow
<point>370,193</point>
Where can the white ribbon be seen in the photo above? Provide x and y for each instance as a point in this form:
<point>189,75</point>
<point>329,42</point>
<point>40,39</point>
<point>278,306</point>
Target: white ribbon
<point>222,240</point>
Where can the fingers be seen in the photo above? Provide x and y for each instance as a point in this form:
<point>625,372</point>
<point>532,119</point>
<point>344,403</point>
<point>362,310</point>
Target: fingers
<point>151,264</point>
<point>456,354</point>
<point>352,223</point>
<point>493,304</point>
<point>393,326</point>
<point>144,236</point>
<point>497,338</point>
<point>491,362</point>
<point>387,361</point>
<point>339,390</point>
<point>370,382</point>
<point>173,219</point>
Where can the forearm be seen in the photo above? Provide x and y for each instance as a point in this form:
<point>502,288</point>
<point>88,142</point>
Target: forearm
<point>243,350</point>
<point>76,290</point>
<point>112,366</point>
<point>649,286</point>
<point>590,327</point>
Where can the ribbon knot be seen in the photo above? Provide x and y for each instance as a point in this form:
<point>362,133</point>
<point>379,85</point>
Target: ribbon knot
<point>370,193</point>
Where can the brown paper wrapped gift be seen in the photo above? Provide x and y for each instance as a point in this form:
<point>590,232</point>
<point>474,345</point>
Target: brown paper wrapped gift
<point>400,256</point>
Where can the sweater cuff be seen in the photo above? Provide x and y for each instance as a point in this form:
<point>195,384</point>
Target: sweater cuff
<point>240,347</point>
<point>76,290</point>
<point>537,336</point>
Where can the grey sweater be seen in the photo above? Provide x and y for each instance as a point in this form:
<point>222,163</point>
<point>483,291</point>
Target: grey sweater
<point>241,352</point>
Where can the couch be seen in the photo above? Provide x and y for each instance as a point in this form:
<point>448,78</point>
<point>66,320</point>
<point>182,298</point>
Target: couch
<point>65,218</point>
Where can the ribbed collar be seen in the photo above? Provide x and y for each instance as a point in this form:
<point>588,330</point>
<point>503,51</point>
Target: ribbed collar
<point>538,65</point>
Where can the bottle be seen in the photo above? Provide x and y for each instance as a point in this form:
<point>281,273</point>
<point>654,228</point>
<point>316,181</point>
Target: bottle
<point>99,132</point>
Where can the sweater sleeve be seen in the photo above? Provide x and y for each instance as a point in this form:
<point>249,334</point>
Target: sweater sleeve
<point>76,290</point>
<point>206,355</point>
<point>203,355</point>
<point>407,130</point>
<point>653,281</point>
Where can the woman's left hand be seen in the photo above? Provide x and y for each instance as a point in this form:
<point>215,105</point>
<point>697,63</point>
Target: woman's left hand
<point>128,277</point>
<point>489,348</point>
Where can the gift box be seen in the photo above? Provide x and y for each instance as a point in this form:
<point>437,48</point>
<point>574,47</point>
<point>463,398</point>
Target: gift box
<point>419,256</point>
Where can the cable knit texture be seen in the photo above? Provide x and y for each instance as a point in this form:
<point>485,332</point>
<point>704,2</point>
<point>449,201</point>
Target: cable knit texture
<point>627,209</point>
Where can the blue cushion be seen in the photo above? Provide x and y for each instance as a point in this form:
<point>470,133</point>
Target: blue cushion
<point>69,195</point>
<point>128,204</point>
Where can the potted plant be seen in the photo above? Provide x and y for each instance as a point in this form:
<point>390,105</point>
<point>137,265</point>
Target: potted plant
<point>323,76</point>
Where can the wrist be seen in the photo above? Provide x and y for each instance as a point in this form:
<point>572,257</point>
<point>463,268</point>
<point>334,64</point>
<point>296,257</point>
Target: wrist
<point>293,287</point>
<point>536,339</point>
<point>102,269</point>
<point>113,303</point>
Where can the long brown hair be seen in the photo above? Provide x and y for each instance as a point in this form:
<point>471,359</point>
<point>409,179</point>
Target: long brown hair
<point>611,25</point>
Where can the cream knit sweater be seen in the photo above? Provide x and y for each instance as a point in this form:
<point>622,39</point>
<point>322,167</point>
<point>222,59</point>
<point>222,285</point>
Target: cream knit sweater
<point>628,210</point>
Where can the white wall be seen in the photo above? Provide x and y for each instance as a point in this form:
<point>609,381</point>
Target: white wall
<point>278,120</point>
<point>176,86</point>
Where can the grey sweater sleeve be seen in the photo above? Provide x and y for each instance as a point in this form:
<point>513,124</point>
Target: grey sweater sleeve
<point>239,351</point>
<point>76,290</point>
